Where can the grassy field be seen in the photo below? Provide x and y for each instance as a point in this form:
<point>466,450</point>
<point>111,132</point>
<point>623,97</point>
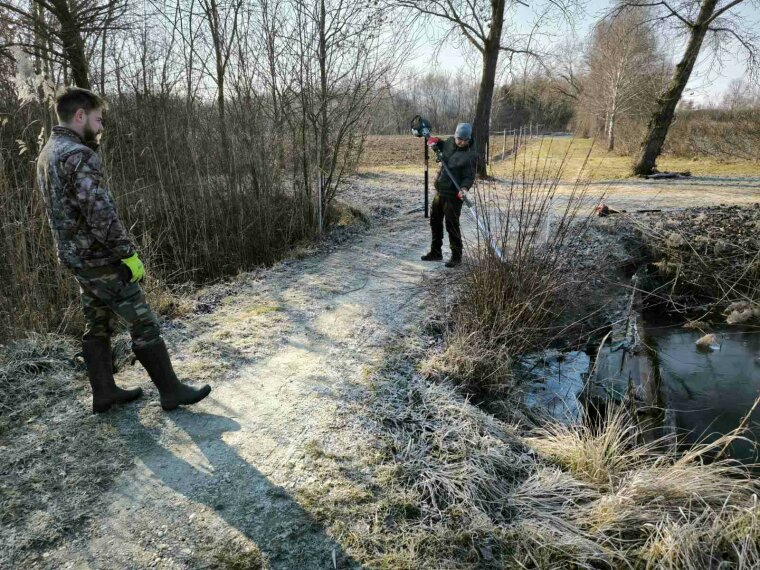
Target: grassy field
<point>575,156</point>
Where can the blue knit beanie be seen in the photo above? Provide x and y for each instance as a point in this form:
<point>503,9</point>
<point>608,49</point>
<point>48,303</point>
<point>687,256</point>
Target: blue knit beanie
<point>464,131</point>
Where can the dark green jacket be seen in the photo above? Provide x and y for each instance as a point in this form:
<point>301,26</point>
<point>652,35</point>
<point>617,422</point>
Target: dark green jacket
<point>461,163</point>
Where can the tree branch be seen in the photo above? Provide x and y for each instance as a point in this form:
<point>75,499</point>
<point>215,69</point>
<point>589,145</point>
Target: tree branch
<point>717,14</point>
<point>32,47</point>
<point>466,28</point>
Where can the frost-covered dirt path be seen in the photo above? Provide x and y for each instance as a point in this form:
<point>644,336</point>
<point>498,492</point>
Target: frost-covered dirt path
<point>283,349</point>
<point>287,351</point>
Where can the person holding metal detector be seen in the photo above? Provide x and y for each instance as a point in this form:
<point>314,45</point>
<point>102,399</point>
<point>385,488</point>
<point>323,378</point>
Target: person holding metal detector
<point>454,179</point>
<point>95,245</point>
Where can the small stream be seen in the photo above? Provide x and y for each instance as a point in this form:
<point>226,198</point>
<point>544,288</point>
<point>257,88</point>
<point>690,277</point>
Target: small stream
<point>700,393</point>
<point>708,392</point>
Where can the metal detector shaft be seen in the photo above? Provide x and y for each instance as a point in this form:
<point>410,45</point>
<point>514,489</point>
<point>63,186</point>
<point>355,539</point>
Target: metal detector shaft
<point>473,212</point>
<point>427,161</point>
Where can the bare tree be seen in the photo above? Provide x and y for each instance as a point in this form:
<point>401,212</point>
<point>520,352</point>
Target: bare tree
<point>62,38</point>
<point>624,70</point>
<point>696,20</point>
<point>341,53</point>
<point>222,19</point>
<point>741,96</point>
<point>566,67</point>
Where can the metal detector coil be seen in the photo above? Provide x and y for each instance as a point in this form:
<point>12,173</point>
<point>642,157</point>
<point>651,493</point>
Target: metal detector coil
<point>420,127</point>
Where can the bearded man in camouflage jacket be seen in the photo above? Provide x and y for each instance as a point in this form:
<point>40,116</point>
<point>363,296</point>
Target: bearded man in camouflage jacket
<point>95,245</point>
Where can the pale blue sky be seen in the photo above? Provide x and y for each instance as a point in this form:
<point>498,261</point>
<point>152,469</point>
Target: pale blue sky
<point>709,80</point>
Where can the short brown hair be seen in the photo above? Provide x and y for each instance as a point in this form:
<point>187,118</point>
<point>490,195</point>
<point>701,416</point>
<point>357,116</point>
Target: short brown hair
<point>74,98</point>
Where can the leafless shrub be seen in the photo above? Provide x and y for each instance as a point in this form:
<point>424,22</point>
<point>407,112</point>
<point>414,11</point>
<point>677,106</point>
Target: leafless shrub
<point>469,468</point>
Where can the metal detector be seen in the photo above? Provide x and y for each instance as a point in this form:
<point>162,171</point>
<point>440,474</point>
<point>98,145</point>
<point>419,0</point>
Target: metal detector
<point>421,128</point>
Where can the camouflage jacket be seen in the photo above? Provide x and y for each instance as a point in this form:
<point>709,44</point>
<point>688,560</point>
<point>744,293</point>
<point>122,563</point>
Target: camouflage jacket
<point>81,211</point>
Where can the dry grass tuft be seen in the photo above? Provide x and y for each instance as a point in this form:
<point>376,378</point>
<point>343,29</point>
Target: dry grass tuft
<point>31,369</point>
<point>643,507</point>
<point>239,555</point>
<point>450,454</point>
<point>593,455</point>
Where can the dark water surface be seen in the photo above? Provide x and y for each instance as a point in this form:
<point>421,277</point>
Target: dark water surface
<point>709,392</point>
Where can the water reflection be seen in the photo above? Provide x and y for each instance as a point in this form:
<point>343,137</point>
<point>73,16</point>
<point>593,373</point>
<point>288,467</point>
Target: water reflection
<point>710,391</point>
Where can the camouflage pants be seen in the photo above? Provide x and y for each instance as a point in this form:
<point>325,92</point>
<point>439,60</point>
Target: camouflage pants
<point>106,294</point>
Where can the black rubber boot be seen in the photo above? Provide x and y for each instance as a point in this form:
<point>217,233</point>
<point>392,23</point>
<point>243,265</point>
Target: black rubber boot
<point>105,393</point>
<point>432,256</point>
<point>453,262</point>
<point>155,359</point>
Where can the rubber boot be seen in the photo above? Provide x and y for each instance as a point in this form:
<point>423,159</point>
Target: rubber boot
<point>105,393</point>
<point>432,255</point>
<point>155,359</point>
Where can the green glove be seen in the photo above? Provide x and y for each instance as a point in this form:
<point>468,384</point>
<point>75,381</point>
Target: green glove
<point>135,267</point>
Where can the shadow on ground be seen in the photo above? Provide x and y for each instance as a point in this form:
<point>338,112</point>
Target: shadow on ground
<point>238,492</point>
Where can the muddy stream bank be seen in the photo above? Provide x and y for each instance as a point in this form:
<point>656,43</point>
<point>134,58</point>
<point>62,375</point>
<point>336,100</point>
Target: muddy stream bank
<point>681,348</point>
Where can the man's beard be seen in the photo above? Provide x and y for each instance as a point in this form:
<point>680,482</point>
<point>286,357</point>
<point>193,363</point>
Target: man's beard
<point>91,138</point>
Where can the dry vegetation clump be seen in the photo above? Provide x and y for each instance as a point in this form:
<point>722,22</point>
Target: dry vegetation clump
<point>708,255</point>
<point>236,555</point>
<point>462,489</point>
<point>651,508</point>
<point>465,470</point>
<point>723,133</point>
<point>596,456</point>
<point>54,454</point>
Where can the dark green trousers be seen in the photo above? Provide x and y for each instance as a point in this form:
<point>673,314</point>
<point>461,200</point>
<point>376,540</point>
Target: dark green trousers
<point>107,295</point>
<point>448,210</point>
